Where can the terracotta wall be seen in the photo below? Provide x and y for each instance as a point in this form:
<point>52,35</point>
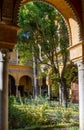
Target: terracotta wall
<point>74,93</point>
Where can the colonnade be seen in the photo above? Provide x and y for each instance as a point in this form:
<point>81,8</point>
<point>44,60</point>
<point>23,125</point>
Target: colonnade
<point>4,91</point>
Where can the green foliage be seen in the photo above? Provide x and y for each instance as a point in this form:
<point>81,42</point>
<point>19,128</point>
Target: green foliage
<point>73,128</point>
<point>12,100</point>
<point>41,24</point>
<point>71,74</point>
<point>38,112</point>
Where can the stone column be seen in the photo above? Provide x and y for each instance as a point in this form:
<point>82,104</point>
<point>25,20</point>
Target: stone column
<point>81,94</point>
<point>17,91</point>
<point>1,88</point>
<point>5,90</point>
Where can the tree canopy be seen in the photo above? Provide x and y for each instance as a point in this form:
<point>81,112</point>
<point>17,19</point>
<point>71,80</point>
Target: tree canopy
<point>42,25</point>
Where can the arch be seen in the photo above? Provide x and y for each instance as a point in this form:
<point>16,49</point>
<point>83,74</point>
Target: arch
<point>11,86</point>
<point>25,86</point>
<point>23,74</point>
<point>70,15</point>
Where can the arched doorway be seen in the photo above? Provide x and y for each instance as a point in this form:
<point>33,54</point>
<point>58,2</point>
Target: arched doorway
<point>67,13</point>
<point>73,22</point>
<point>25,86</point>
<point>11,86</point>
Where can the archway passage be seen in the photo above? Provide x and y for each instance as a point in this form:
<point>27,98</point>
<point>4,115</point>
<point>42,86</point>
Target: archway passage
<point>73,18</point>
<point>11,86</point>
<point>73,12</point>
<point>74,31</point>
<point>25,86</point>
<point>72,21</point>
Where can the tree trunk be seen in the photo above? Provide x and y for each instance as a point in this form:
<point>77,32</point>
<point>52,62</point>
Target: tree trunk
<point>63,95</point>
<point>35,80</point>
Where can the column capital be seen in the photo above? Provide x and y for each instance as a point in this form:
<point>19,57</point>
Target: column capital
<point>80,65</point>
<point>4,56</point>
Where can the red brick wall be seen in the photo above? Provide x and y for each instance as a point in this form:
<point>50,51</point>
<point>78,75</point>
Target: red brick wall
<point>75,93</point>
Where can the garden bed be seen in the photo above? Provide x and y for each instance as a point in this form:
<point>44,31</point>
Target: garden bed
<point>41,115</point>
<point>38,128</point>
<point>51,127</point>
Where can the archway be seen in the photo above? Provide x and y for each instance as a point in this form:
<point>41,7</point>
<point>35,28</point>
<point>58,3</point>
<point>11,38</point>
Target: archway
<point>33,20</point>
<point>71,23</point>
<point>72,20</point>
<point>25,86</point>
<point>65,7</point>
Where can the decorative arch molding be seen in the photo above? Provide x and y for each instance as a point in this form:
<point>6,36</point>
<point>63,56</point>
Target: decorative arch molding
<point>29,76</point>
<point>72,19</point>
<point>17,78</point>
<point>77,18</point>
<point>26,82</point>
